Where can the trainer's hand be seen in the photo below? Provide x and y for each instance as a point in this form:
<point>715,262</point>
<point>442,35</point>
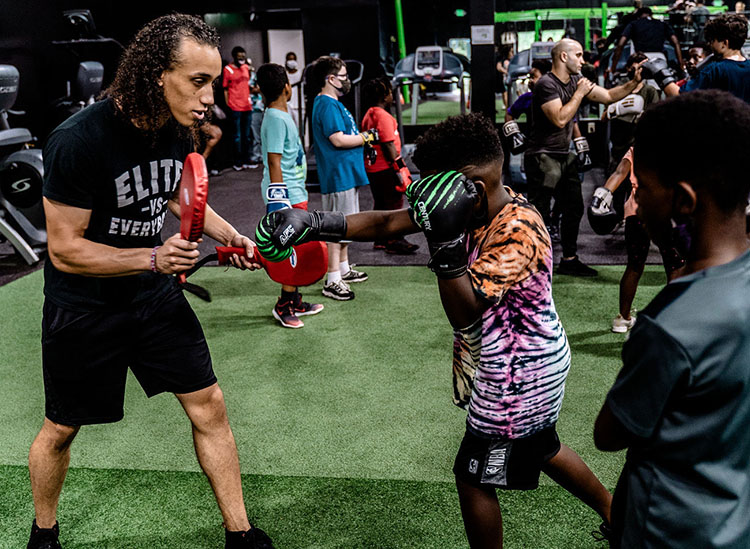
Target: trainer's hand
<point>176,255</point>
<point>442,204</point>
<point>246,261</point>
<point>584,87</point>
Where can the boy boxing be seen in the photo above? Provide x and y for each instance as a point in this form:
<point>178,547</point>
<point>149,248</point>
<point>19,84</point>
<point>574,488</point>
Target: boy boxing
<point>493,259</point>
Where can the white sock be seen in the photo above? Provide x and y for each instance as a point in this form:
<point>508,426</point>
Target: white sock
<point>333,277</point>
<point>344,267</point>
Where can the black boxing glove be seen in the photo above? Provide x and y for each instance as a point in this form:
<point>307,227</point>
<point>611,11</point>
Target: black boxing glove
<point>278,231</point>
<point>658,70</point>
<point>516,139</point>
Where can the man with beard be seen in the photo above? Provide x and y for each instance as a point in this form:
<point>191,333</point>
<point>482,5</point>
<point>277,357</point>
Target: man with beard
<point>111,174</point>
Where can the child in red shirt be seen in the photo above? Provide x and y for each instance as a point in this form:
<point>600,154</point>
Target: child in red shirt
<point>386,170</point>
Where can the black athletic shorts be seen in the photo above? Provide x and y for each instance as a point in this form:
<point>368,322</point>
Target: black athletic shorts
<point>86,356</point>
<point>510,464</point>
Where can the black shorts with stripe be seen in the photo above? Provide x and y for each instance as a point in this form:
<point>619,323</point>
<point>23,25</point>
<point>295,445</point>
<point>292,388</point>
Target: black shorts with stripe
<point>510,464</point>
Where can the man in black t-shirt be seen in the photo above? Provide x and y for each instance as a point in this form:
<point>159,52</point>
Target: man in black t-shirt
<point>648,36</point>
<point>111,172</point>
<point>550,166</point>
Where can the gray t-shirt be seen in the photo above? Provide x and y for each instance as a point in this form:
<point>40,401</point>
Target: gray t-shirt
<point>545,137</point>
<point>684,390</point>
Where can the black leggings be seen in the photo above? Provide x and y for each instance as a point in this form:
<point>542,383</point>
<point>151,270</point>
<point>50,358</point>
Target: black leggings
<point>557,176</point>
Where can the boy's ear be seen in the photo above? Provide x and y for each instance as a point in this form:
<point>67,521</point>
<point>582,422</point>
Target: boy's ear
<point>481,188</point>
<point>685,199</point>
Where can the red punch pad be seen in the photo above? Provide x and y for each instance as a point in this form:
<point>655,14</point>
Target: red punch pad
<point>307,264</point>
<point>193,197</point>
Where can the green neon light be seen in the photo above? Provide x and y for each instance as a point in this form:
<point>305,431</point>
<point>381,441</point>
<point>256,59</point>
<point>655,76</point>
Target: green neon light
<point>401,38</point>
<point>555,14</point>
<point>460,13</point>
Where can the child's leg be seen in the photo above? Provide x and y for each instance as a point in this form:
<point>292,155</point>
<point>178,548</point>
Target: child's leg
<point>344,254</point>
<point>637,243</point>
<point>334,254</point>
<point>628,288</point>
<point>482,518</point>
<point>569,471</point>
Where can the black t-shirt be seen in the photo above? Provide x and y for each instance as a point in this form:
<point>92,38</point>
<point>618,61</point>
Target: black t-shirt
<point>97,161</point>
<point>545,137</point>
<point>648,35</point>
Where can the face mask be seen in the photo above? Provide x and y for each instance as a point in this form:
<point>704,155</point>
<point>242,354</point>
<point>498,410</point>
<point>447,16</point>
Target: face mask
<point>346,86</point>
<point>291,65</point>
<point>241,62</point>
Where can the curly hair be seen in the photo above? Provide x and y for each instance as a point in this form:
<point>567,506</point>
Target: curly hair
<point>375,91</point>
<point>458,141</point>
<point>154,49</point>
<point>727,26</point>
<point>716,121</point>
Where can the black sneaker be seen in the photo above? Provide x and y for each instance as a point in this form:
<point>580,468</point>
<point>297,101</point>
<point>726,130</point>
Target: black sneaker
<point>400,247</point>
<point>604,533</point>
<point>255,538</point>
<point>339,291</point>
<point>44,538</point>
<point>303,308</point>
<point>354,276</point>
<point>574,267</point>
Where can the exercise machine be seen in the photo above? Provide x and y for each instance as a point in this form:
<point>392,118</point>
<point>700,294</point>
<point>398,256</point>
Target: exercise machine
<point>427,65</point>
<point>21,175</point>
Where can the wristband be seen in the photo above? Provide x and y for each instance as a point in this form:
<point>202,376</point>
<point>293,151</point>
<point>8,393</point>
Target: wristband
<point>153,259</point>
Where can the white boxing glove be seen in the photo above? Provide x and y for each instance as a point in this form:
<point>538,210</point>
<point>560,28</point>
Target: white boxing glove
<point>631,105</point>
<point>277,197</point>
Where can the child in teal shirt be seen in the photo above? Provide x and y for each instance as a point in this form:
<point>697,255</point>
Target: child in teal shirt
<point>284,174</point>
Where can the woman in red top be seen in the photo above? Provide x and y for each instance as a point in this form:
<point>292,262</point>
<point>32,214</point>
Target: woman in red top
<point>386,170</point>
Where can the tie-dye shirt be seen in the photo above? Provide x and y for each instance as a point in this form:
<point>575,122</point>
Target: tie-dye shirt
<point>509,367</point>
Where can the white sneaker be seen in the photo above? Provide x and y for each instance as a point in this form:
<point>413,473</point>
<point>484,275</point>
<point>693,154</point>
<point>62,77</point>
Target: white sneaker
<point>339,291</point>
<point>621,325</point>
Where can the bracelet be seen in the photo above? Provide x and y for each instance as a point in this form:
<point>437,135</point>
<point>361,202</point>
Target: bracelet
<point>153,258</point>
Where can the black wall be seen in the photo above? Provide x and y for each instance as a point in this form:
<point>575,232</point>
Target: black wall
<point>28,28</point>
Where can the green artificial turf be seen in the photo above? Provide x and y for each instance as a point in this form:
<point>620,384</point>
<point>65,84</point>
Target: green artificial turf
<point>345,428</point>
<point>435,111</point>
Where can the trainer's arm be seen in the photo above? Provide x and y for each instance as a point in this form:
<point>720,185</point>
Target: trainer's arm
<point>222,231</point>
<point>607,96</point>
<point>560,114</point>
<point>609,433</point>
<point>368,226</point>
<point>70,252</point>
